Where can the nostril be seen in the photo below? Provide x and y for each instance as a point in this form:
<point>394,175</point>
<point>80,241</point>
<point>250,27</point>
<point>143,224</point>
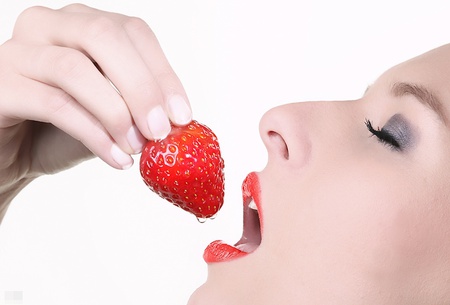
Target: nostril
<point>278,142</point>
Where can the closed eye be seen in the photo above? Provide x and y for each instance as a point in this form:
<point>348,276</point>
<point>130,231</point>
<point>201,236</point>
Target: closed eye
<point>384,136</point>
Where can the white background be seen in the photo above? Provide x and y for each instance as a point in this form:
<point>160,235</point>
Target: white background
<point>94,235</point>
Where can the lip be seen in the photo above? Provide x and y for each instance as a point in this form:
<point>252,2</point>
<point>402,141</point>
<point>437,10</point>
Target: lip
<point>219,251</point>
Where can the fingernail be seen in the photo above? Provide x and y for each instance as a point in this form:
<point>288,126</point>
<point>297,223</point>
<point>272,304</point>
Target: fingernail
<point>135,139</point>
<point>123,159</point>
<point>179,109</point>
<point>158,123</point>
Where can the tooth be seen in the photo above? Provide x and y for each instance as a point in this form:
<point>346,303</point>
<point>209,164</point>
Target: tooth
<point>252,205</point>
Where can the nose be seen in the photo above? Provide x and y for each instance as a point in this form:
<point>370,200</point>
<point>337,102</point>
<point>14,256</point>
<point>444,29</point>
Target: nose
<point>284,131</point>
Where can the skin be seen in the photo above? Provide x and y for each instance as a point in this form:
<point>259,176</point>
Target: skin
<point>58,109</point>
<point>348,219</point>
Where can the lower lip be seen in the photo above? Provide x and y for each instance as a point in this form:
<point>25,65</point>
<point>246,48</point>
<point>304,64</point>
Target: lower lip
<point>218,251</point>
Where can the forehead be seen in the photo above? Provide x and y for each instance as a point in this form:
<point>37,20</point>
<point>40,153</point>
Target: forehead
<point>430,71</point>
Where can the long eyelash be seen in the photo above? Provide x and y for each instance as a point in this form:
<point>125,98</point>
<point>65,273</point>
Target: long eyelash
<point>383,136</point>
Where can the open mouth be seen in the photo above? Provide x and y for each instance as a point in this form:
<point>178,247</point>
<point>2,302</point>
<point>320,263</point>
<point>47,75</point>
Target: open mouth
<point>218,251</point>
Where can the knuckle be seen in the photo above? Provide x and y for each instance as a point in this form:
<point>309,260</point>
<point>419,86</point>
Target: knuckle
<point>67,63</point>
<point>28,16</point>
<point>165,73</point>
<point>146,90</point>
<point>118,120</point>
<point>74,7</point>
<point>136,24</point>
<point>57,104</point>
<point>101,26</point>
<point>168,81</point>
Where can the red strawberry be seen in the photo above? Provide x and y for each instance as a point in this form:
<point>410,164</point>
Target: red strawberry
<point>186,168</point>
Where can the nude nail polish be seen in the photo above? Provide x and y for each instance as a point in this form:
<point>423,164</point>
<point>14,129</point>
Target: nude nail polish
<point>179,109</point>
<point>123,159</point>
<point>135,139</point>
<point>158,123</point>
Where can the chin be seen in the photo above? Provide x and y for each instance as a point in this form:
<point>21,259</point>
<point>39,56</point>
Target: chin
<point>205,296</point>
<point>199,297</point>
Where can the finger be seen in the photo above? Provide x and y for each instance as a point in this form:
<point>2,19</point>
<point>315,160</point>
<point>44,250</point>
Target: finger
<point>146,43</point>
<point>43,103</point>
<point>149,94</point>
<point>175,97</point>
<point>106,42</point>
<point>75,74</point>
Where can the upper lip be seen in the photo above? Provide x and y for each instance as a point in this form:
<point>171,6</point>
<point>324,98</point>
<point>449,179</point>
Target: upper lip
<point>253,221</point>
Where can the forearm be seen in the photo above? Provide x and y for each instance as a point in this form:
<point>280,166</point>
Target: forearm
<point>7,195</point>
<point>3,208</point>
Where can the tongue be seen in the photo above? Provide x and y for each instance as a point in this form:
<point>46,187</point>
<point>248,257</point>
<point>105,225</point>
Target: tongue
<point>247,247</point>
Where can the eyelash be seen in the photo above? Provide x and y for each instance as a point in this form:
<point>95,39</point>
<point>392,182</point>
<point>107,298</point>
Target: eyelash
<point>383,136</point>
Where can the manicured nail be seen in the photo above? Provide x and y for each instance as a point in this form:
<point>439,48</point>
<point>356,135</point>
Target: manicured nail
<point>123,159</point>
<point>135,139</point>
<point>179,109</point>
<point>158,123</point>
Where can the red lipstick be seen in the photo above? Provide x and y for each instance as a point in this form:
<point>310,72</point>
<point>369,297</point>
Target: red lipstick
<point>219,251</point>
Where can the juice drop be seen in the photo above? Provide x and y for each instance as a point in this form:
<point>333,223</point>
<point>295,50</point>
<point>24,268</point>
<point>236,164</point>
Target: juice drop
<point>201,219</point>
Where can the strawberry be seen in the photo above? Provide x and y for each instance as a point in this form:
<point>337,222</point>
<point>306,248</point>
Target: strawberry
<point>186,169</point>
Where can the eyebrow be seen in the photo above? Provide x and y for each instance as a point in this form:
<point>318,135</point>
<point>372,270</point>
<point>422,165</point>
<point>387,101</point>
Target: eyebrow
<point>423,95</point>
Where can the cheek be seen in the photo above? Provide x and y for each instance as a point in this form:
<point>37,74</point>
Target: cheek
<point>357,225</point>
<point>391,220</point>
<point>414,235</point>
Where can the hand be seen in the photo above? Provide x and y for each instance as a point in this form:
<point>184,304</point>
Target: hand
<point>57,104</point>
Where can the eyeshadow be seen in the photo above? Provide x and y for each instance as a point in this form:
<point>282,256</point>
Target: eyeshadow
<point>399,128</point>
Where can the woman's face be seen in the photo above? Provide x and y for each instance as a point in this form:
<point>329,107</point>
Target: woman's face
<point>354,202</point>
